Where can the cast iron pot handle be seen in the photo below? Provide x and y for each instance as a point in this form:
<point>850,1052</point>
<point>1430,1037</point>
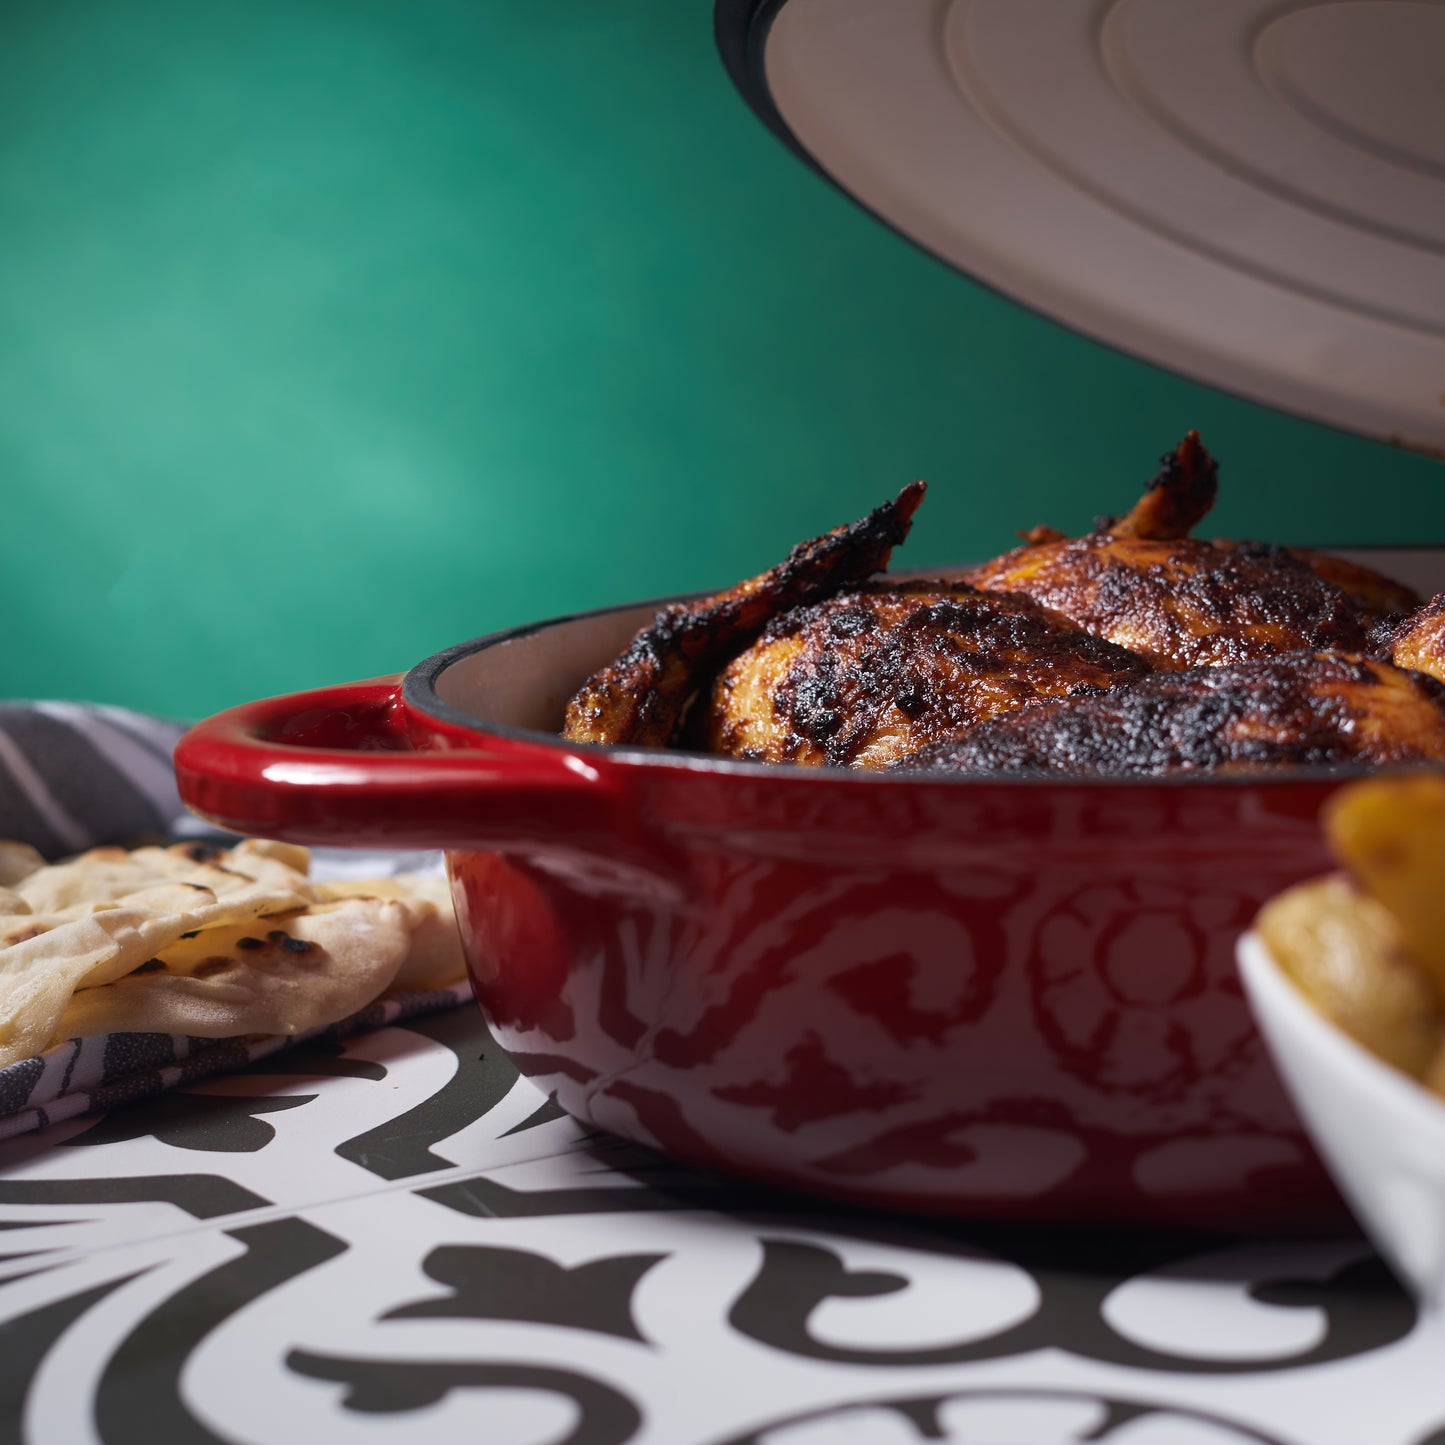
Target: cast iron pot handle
<point>335,766</point>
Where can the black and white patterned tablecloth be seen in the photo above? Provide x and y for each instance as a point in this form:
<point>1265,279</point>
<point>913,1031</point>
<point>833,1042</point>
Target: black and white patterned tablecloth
<point>391,1237</point>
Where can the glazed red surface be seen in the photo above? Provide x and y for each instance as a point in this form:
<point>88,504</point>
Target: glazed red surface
<point>978,998</point>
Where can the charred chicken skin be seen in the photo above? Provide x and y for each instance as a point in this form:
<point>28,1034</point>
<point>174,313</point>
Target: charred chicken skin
<point>1307,709</point>
<point>1141,581</point>
<point>875,673</point>
<point>1376,599</point>
<point>1134,650</point>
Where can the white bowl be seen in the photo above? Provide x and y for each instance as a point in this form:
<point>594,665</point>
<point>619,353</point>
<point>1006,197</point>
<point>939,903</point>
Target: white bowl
<point>1380,1133</point>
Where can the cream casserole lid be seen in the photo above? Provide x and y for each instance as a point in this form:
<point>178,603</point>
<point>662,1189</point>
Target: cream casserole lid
<point>1247,192</point>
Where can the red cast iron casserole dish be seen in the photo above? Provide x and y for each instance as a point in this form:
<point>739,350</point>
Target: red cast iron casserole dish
<point>963,996</point>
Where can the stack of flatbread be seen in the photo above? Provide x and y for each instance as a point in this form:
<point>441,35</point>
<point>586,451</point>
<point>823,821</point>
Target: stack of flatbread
<point>205,941</point>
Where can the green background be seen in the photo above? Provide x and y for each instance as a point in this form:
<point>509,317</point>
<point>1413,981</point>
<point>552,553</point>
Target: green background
<point>336,331</point>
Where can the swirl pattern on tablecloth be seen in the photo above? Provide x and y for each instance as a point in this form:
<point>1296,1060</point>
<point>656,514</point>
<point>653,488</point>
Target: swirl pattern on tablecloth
<point>392,1236</point>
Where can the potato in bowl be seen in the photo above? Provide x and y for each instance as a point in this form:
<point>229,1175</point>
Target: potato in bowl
<point>1346,975</point>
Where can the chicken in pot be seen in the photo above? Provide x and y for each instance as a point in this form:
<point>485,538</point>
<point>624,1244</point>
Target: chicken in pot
<point>1135,649</point>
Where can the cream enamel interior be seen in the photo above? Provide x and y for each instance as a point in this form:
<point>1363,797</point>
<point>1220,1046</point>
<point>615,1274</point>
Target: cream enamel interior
<point>525,681</point>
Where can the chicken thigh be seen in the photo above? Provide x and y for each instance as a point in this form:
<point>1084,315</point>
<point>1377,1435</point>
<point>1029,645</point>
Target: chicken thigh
<point>877,672</point>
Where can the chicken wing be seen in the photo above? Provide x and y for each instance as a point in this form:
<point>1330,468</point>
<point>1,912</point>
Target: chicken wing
<point>640,698</point>
<point>1176,499</point>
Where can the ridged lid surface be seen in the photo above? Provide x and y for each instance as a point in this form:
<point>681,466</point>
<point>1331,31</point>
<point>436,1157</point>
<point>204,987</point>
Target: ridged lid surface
<point>1250,193</point>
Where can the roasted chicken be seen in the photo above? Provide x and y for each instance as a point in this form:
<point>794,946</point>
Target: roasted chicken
<point>1135,649</point>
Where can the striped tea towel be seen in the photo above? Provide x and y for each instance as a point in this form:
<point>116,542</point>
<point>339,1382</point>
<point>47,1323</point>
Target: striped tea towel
<point>73,776</point>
